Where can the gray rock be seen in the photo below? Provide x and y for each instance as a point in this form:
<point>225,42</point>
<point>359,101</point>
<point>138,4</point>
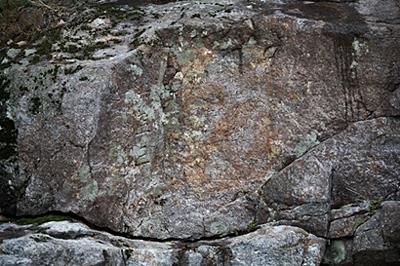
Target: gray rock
<point>377,240</point>
<point>66,243</point>
<point>200,120</point>
<point>345,227</point>
<point>281,246</point>
<point>182,156</point>
<point>336,172</point>
<point>339,252</point>
<point>100,23</point>
<point>12,53</point>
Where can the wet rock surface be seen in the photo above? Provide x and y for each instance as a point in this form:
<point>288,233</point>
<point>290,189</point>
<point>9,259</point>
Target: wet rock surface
<point>188,121</point>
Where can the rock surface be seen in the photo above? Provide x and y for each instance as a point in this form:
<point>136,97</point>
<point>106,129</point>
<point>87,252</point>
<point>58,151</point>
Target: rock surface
<point>196,120</point>
<point>66,243</point>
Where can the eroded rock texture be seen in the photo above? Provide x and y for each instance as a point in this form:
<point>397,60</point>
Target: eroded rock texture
<point>65,243</point>
<point>199,120</point>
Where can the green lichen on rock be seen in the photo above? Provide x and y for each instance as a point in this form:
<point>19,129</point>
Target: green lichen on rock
<point>335,253</point>
<point>269,174</point>
<point>218,227</point>
<point>116,153</point>
<point>220,122</point>
<point>139,106</point>
<point>89,192</point>
<point>136,70</point>
<point>184,56</point>
<point>89,186</point>
<point>139,154</point>
<point>172,114</point>
<point>83,173</point>
<point>150,109</point>
<point>40,219</point>
<point>66,187</point>
<point>310,141</point>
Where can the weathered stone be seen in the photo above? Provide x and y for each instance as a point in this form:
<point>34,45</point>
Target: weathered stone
<point>377,241</point>
<point>344,221</point>
<point>326,169</point>
<point>189,169</point>
<point>339,252</point>
<point>345,227</point>
<point>66,243</point>
<point>100,23</point>
<point>199,120</point>
<point>12,53</point>
<point>350,210</point>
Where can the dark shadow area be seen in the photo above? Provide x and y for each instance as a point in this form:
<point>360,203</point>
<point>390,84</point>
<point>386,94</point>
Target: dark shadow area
<point>136,3</point>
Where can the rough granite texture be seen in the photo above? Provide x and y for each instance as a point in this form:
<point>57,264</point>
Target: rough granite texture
<point>187,126</point>
<point>66,243</point>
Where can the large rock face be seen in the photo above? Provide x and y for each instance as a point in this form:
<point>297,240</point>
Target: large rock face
<point>196,120</point>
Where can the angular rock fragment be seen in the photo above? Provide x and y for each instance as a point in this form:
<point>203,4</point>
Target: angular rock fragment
<point>377,241</point>
<point>355,165</point>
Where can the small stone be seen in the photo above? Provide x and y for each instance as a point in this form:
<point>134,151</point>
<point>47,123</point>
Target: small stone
<point>5,61</point>
<point>60,24</point>
<point>193,34</point>
<point>21,43</point>
<point>13,53</point>
<point>29,52</point>
<point>100,23</point>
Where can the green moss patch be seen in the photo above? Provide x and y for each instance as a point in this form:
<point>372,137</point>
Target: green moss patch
<point>34,220</point>
<point>72,70</point>
<point>89,49</point>
<point>375,204</point>
<point>51,36</point>
<point>40,238</point>
<point>35,105</point>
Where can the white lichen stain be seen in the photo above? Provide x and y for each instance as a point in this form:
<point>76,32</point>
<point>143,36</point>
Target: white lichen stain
<point>359,49</point>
